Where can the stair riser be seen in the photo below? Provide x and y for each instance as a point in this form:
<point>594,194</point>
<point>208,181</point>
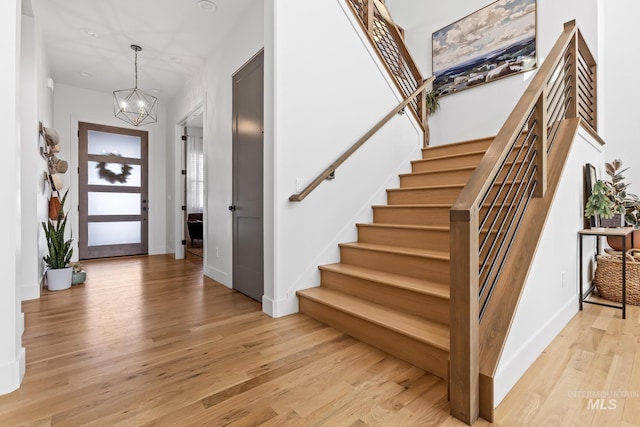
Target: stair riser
<point>407,238</point>
<point>419,304</point>
<point>417,353</point>
<point>408,265</point>
<point>423,196</point>
<point>446,163</point>
<point>411,216</point>
<point>450,149</point>
<point>443,178</point>
<point>440,178</point>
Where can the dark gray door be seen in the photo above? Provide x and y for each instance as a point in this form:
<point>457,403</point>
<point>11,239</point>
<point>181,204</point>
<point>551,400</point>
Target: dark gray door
<point>248,262</point>
<point>112,191</point>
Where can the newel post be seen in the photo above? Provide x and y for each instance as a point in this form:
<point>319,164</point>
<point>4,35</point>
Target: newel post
<point>464,350</point>
<point>424,117</point>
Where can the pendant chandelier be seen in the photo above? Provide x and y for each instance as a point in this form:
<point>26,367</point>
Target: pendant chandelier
<point>135,106</point>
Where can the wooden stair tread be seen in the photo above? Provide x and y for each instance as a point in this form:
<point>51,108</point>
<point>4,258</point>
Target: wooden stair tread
<point>413,284</point>
<point>405,227</point>
<point>427,187</point>
<point>437,171</point>
<point>415,205</point>
<point>451,156</point>
<point>447,186</point>
<point>412,227</point>
<point>453,144</point>
<point>424,253</point>
<point>432,333</point>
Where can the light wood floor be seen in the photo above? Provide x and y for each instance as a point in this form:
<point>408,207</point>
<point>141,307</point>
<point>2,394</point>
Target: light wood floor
<point>148,341</point>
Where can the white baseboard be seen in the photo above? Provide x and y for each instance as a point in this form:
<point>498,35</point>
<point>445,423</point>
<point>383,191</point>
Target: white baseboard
<point>12,373</point>
<point>218,275</point>
<point>29,292</point>
<point>281,307</point>
<point>510,371</point>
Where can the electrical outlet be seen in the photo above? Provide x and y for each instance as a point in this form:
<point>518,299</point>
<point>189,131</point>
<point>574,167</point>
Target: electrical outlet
<point>564,278</point>
<point>299,185</point>
<point>217,253</point>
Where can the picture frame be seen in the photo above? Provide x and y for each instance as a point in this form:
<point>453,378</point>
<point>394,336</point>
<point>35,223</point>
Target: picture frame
<point>590,177</point>
<point>494,42</point>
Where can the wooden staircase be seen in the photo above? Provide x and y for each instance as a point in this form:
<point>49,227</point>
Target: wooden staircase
<point>391,287</point>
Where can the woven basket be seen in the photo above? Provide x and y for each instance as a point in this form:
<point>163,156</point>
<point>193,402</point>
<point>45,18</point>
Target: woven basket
<point>608,277</point>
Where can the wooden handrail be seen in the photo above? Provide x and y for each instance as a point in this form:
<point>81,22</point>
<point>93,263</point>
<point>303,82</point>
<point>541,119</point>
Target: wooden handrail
<point>563,89</point>
<point>325,173</point>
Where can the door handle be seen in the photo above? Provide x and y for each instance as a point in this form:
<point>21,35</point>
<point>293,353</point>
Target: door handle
<point>232,207</point>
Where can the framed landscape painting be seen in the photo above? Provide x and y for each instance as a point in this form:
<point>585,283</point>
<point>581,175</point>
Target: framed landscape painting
<point>497,41</point>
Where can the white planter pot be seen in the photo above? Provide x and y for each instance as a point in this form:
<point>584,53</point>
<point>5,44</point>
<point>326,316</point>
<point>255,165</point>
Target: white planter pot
<point>59,279</point>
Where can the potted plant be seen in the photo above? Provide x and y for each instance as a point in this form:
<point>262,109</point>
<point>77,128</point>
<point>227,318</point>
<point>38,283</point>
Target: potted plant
<point>79,275</point>
<point>59,271</point>
<point>604,203</point>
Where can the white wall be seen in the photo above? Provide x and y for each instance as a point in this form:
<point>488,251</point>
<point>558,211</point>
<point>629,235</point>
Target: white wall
<point>329,89</point>
<point>550,296</point>
<point>36,105</point>
<point>12,354</point>
<point>73,105</point>
<point>618,96</point>
<point>212,87</point>
<point>482,110</point>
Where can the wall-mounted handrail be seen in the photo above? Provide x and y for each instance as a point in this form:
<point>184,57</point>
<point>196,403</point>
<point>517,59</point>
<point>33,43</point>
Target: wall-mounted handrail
<point>359,143</point>
<point>388,42</point>
<point>486,218</point>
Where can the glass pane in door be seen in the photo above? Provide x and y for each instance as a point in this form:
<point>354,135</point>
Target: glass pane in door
<point>98,176</point>
<point>114,203</point>
<point>104,143</point>
<point>114,233</point>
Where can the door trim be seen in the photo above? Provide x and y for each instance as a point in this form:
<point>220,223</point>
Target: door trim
<point>84,188</point>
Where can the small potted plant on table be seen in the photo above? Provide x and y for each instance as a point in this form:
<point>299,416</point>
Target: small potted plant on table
<point>615,207</point>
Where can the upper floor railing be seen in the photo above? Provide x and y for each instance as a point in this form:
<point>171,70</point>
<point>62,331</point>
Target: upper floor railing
<point>487,216</point>
<point>388,42</point>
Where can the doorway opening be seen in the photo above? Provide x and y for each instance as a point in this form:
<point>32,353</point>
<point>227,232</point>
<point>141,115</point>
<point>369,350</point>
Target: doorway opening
<point>194,187</point>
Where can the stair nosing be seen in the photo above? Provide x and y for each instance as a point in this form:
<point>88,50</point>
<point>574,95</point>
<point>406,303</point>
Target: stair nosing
<point>387,279</point>
<point>405,226</point>
<point>451,156</point>
<point>428,187</point>
<point>416,205</point>
<point>469,141</point>
<point>392,325</point>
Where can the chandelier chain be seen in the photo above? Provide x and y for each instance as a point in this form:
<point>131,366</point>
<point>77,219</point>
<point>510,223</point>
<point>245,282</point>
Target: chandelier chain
<point>136,67</point>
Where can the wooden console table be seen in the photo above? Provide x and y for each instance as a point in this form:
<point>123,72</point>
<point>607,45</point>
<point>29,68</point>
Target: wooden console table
<point>622,232</point>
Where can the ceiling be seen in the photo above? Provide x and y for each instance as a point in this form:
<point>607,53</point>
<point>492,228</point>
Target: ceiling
<point>88,42</point>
